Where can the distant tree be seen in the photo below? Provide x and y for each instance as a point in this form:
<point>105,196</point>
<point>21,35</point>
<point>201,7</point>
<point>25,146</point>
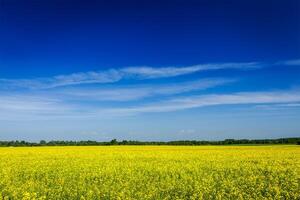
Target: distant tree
<point>17,143</point>
<point>124,142</point>
<point>114,142</point>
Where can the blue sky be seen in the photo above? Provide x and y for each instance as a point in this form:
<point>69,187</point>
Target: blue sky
<point>149,70</point>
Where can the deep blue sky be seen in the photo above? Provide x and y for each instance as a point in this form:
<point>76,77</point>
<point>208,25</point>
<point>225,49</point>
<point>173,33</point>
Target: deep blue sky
<point>255,46</point>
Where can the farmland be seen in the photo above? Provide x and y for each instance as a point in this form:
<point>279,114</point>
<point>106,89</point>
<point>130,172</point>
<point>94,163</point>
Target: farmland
<point>150,172</point>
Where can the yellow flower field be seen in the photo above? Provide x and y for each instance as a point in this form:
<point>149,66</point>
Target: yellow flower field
<point>150,172</point>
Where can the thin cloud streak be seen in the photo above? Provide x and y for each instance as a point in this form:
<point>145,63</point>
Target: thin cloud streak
<point>279,106</point>
<point>71,101</point>
<point>150,72</point>
<point>213,100</point>
<point>115,75</point>
<point>28,103</point>
<point>31,108</point>
<point>141,72</point>
<point>23,107</point>
<point>137,92</point>
<point>291,62</point>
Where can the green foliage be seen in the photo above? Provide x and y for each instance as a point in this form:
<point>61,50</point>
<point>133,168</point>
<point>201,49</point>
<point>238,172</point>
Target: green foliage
<point>132,142</point>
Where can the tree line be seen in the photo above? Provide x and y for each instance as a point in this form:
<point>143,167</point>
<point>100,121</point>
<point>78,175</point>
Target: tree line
<point>22,143</point>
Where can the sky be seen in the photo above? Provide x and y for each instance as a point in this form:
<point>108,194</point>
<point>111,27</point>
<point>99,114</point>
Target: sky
<point>149,70</point>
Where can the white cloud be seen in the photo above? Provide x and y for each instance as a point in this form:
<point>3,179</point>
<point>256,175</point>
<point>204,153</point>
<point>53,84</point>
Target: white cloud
<point>141,91</point>
<point>32,104</point>
<point>290,62</point>
<point>76,102</point>
<point>280,106</point>
<point>150,72</point>
<point>115,75</point>
<point>108,76</point>
<point>24,107</point>
<point>213,100</point>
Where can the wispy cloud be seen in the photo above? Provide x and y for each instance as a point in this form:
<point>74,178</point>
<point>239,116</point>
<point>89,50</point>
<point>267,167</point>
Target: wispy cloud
<point>49,98</point>
<point>77,101</point>
<point>23,107</point>
<point>150,72</point>
<point>290,62</point>
<point>23,102</point>
<point>28,107</point>
<point>279,106</point>
<point>137,92</point>
<point>214,100</point>
<point>141,72</point>
<point>115,75</point>
<point>108,76</point>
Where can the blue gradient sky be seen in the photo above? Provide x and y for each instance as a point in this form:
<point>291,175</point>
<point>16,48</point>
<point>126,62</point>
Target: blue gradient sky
<point>149,70</point>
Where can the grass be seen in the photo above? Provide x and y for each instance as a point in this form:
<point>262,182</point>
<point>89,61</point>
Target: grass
<point>150,172</point>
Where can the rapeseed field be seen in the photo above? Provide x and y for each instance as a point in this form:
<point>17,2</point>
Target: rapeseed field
<point>150,172</point>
